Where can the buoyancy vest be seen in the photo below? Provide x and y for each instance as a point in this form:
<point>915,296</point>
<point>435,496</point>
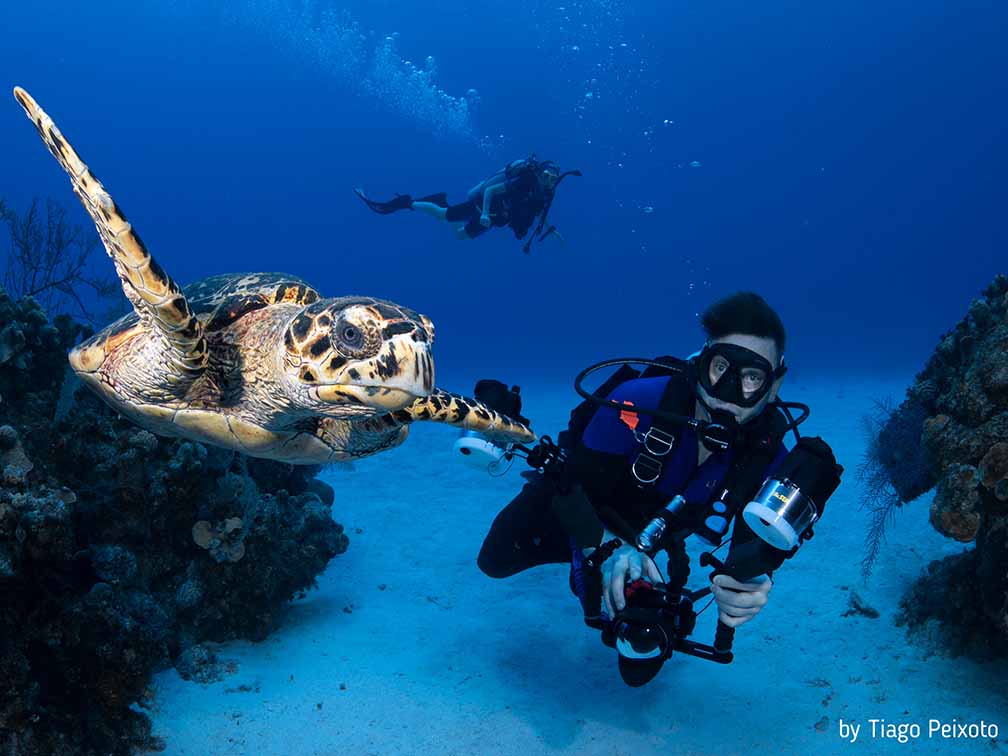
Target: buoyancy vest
<point>634,464</point>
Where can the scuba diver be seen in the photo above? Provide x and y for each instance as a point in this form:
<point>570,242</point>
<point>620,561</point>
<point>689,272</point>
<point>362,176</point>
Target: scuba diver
<point>686,447</point>
<point>515,197</point>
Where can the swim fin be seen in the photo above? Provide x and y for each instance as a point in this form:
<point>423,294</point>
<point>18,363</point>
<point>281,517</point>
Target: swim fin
<point>400,202</point>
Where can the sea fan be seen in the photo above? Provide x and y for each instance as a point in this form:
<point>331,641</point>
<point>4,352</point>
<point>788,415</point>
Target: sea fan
<point>896,467</point>
<point>880,496</point>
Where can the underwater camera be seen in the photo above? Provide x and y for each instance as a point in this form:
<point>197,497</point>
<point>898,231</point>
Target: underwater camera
<point>476,449</point>
<point>654,622</point>
<point>657,620</point>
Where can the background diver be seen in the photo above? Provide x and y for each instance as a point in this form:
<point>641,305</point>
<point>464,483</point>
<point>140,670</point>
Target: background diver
<point>517,197</point>
<point>629,482</point>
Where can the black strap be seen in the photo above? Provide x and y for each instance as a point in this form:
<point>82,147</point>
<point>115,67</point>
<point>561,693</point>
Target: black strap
<point>661,437</point>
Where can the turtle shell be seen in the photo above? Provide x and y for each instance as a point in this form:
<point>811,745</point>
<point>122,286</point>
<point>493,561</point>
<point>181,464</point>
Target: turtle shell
<point>221,300</point>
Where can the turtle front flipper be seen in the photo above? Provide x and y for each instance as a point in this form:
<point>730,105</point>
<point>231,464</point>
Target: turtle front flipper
<point>463,412</point>
<point>157,299</point>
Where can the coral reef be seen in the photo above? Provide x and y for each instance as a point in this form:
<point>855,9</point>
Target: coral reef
<point>955,420</point>
<point>121,552</point>
<point>941,611</point>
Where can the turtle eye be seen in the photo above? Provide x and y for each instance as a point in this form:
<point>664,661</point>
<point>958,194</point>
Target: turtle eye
<point>351,336</point>
<point>350,340</point>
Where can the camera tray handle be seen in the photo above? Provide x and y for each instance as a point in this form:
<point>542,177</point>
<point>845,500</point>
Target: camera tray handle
<point>724,636</point>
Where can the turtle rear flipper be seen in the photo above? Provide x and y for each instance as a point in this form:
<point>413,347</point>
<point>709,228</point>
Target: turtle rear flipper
<point>157,299</point>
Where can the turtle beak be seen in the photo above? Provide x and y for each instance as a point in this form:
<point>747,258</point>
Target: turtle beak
<point>401,375</point>
<point>398,373</point>
<point>406,365</point>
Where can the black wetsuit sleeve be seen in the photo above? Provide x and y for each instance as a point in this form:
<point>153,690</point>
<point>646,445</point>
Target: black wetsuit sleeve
<point>526,533</point>
<point>597,471</point>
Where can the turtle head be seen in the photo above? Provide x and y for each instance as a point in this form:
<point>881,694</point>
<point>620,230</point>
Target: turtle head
<point>358,356</point>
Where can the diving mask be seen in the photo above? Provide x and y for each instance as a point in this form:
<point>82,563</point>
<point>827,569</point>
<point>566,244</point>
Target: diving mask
<point>735,375</point>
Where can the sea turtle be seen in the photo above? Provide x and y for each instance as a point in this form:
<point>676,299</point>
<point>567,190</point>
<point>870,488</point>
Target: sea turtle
<point>258,362</point>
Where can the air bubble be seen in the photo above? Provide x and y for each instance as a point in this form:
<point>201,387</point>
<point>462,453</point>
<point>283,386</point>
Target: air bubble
<point>334,44</point>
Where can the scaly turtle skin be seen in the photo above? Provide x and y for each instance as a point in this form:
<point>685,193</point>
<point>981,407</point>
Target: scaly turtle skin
<point>258,362</point>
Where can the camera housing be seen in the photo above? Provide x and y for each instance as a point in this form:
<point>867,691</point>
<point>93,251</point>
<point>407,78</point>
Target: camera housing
<point>656,621</point>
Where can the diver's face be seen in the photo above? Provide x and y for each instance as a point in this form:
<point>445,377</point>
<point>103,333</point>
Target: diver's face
<point>752,379</point>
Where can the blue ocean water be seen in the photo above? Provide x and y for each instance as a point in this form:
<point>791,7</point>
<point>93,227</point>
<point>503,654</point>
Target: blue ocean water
<point>847,154</point>
<point>844,160</point>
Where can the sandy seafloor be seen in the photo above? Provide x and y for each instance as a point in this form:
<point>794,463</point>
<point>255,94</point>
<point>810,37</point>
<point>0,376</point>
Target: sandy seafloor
<point>406,648</point>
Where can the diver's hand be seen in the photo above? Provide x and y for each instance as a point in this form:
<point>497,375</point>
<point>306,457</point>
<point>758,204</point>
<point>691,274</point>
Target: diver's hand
<point>626,564</point>
<point>485,220</point>
<point>740,602</point>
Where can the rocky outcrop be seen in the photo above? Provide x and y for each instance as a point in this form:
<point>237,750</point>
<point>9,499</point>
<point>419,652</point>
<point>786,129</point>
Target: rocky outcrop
<point>959,406</point>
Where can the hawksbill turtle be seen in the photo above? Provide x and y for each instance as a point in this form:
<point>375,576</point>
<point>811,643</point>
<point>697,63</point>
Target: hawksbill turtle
<point>258,362</point>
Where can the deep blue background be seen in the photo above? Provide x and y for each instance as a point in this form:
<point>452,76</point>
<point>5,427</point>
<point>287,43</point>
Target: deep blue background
<point>851,159</point>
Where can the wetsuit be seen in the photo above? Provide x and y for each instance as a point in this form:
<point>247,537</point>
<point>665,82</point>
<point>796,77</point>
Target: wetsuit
<point>527,532</point>
<point>520,195</point>
<point>517,207</point>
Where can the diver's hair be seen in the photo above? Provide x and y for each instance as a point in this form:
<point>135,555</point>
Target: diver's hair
<point>744,312</point>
